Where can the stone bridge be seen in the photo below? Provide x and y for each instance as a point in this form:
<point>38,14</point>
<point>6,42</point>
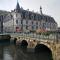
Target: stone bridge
<point>37,42</point>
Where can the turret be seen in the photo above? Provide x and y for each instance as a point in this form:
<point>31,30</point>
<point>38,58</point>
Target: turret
<point>17,7</point>
<point>40,10</point>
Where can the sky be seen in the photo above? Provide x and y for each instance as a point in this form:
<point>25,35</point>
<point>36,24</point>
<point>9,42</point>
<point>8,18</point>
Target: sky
<point>49,7</point>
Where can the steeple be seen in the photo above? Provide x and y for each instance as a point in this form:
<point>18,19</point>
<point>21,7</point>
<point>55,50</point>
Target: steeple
<point>40,10</point>
<point>17,7</point>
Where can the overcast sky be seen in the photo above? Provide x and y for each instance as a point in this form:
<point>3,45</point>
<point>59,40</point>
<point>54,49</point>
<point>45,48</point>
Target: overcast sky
<point>49,7</point>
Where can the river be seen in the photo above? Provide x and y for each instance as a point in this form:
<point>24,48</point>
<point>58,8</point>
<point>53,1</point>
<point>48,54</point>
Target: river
<point>13,52</point>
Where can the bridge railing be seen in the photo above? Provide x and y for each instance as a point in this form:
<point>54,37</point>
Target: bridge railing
<point>36,36</point>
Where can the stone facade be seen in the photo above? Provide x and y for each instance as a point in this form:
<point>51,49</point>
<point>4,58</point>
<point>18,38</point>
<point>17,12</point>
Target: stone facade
<point>22,20</point>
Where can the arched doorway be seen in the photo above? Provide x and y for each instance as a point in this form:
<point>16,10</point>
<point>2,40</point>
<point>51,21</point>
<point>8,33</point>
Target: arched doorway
<point>42,52</point>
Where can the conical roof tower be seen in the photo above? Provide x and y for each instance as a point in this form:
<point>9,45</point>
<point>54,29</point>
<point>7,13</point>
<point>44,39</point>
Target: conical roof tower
<point>41,10</point>
<point>17,7</point>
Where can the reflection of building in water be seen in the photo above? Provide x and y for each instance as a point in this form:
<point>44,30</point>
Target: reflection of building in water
<point>8,52</point>
<point>1,52</point>
<point>17,53</point>
<point>22,20</point>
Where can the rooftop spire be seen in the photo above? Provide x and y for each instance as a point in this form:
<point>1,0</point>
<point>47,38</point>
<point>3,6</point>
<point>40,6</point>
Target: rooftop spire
<point>17,6</point>
<point>40,10</point>
<point>17,0</point>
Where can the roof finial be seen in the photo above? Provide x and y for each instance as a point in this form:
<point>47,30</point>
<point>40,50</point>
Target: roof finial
<point>40,10</point>
<point>17,1</point>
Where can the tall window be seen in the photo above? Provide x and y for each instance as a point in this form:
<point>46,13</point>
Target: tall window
<point>36,27</point>
<point>22,16</point>
<point>16,21</point>
<point>36,23</point>
<point>44,25</point>
<point>26,15</point>
<point>32,27</point>
<point>32,22</point>
<point>21,22</point>
<point>26,22</point>
<point>32,16</point>
<point>26,27</point>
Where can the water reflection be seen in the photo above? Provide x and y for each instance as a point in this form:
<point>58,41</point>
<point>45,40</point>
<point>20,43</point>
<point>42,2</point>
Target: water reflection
<point>23,54</point>
<point>12,52</point>
<point>1,52</point>
<point>7,54</point>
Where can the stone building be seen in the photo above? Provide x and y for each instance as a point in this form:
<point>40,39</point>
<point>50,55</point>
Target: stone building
<point>19,20</point>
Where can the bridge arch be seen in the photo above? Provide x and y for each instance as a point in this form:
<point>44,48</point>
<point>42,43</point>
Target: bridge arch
<point>24,43</point>
<point>15,39</point>
<point>41,48</point>
<point>47,44</point>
